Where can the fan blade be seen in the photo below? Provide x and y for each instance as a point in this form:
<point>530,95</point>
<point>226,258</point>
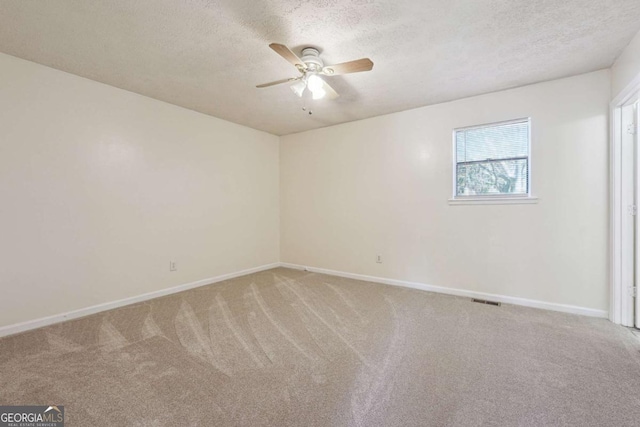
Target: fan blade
<point>278,82</point>
<point>287,54</point>
<point>364,64</point>
<point>330,93</point>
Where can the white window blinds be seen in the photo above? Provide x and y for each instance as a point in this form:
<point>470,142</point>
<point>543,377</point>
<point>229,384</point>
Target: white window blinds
<point>493,159</point>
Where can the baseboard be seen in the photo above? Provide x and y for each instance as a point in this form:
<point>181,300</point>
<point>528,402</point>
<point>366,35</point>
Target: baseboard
<point>459,292</point>
<point>50,320</point>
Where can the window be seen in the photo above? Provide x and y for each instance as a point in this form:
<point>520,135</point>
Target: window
<point>492,160</point>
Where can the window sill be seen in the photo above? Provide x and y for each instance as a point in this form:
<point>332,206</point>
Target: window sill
<point>493,201</point>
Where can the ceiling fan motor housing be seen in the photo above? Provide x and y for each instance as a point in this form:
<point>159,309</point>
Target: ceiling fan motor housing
<point>311,58</point>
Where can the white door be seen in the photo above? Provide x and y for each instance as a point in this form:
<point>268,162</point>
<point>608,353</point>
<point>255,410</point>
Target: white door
<point>628,195</point>
<point>624,212</point>
<point>634,130</point>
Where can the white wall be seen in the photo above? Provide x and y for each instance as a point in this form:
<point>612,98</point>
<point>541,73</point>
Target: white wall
<point>381,185</point>
<point>626,67</point>
<point>100,188</point>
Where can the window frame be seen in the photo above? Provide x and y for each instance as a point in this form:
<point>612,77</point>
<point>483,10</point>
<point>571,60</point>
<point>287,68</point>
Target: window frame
<point>492,198</point>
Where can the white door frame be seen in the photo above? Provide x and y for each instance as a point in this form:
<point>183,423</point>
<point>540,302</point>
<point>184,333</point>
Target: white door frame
<point>621,300</point>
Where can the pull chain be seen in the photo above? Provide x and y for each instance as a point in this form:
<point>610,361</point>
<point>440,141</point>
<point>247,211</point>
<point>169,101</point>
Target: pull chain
<point>304,101</point>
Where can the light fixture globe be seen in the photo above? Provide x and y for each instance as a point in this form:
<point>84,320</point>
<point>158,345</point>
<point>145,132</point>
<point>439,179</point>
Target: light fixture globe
<point>299,88</point>
<point>319,93</point>
<point>314,83</point>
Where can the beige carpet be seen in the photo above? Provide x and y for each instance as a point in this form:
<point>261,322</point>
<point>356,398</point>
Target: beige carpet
<point>289,348</point>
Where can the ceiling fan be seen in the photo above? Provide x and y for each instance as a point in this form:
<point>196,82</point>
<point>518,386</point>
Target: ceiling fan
<point>312,68</point>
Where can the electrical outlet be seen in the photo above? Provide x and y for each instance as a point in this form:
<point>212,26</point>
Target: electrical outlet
<point>173,266</point>
<point>379,259</point>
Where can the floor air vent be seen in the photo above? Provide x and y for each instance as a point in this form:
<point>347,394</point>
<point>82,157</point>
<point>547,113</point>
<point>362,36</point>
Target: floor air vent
<point>484,301</point>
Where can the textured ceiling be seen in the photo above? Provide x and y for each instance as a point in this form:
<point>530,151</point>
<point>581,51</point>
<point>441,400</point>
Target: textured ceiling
<point>209,55</point>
